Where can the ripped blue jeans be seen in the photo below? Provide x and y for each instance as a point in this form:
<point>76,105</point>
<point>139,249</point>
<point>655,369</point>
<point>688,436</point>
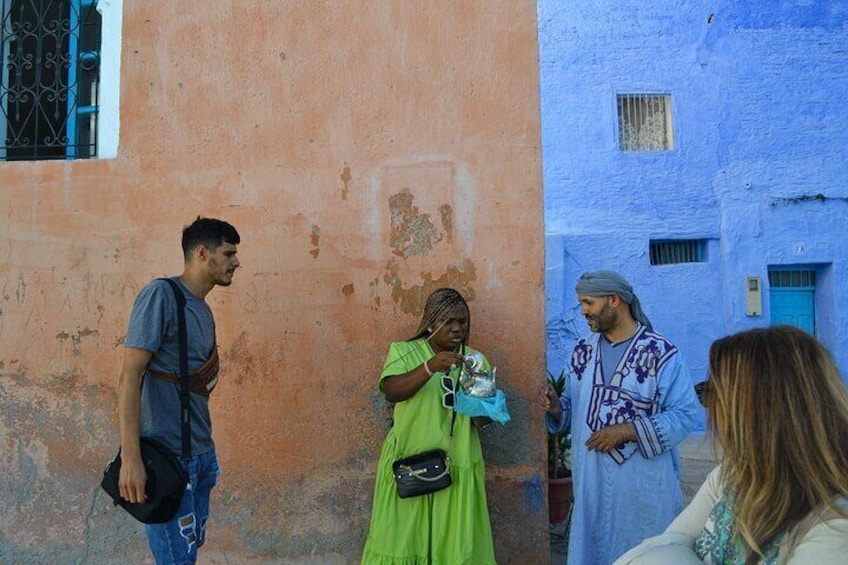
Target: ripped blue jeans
<point>176,542</point>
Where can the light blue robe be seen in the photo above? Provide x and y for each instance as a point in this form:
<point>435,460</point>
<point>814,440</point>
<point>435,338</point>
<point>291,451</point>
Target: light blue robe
<point>632,492</point>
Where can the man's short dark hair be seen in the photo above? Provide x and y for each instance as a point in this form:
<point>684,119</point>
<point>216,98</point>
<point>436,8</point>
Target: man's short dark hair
<point>209,232</point>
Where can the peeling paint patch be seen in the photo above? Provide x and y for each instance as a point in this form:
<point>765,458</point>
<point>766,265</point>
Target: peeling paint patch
<point>534,494</point>
<point>315,240</point>
<point>20,290</point>
<point>411,300</point>
<point>374,292</point>
<point>348,289</point>
<point>345,178</point>
<point>411,233</point>
<point>77,339</point>
<point>446,212</point>
<point>240,356</point>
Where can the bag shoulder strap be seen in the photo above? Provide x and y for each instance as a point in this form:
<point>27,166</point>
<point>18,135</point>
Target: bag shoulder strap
<point>185,414</point>
<point>453,417</point>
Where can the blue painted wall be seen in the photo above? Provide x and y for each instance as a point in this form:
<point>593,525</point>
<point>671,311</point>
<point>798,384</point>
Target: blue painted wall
<point>759,168</point>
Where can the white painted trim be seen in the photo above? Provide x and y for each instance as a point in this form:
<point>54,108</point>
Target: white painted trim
<point>109,91</point>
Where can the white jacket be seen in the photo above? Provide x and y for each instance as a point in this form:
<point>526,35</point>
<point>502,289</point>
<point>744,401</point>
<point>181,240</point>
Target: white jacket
<point>819,539</point>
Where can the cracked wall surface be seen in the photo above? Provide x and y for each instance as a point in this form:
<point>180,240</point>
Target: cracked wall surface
<point>367,154</point>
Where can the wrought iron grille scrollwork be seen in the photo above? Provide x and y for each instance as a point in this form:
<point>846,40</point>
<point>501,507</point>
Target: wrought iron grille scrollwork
<point>49,74</point>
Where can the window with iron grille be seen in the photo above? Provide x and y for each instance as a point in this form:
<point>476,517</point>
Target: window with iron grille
<point>672,252</point>
<point>792,278</point>
<point>644,122</point>
<point>49,77</point>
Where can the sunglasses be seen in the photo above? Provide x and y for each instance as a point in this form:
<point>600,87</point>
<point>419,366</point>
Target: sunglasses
<point>702,389</point>
<point>449,396</point>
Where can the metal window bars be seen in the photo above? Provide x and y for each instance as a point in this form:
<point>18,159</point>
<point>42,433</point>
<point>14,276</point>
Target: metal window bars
<point>644,122</point>
<point>669,252</point>
<point>792,278</point>
<point>49,75</point>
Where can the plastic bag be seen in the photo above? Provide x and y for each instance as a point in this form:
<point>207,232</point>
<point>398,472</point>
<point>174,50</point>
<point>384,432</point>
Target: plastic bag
<point>493,406</point>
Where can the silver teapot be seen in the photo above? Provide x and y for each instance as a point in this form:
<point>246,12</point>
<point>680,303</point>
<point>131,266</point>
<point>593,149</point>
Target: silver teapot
<point>474,380</point>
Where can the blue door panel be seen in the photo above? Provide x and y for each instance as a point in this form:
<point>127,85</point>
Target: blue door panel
<point>794,307</point>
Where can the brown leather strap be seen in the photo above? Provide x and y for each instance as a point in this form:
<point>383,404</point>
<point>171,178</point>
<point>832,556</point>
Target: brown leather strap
<point>200,381</point>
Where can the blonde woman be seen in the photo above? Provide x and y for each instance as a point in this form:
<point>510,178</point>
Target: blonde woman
<point>779,411</point>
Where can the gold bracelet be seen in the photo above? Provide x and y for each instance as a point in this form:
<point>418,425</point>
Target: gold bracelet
<point>427,369</point>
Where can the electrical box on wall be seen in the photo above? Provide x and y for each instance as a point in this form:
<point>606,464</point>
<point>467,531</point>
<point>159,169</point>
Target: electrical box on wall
<point>753,296</point>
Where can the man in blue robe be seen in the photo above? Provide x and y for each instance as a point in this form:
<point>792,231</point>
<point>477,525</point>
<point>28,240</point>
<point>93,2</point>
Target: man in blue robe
<point>629,401</point>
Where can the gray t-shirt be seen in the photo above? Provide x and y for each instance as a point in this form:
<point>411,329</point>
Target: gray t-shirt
<point>154,327</point>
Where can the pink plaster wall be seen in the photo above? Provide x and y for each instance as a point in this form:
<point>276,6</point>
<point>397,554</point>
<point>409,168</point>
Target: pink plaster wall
<point>367,152</point>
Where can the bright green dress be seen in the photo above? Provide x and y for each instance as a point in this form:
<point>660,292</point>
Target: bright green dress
<point>449,527</point>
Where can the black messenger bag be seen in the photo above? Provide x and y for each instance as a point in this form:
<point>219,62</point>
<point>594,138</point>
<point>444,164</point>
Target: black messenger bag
<point>166,484</point>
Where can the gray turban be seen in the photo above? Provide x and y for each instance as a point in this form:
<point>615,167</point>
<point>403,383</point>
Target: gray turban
<point>606,283</point>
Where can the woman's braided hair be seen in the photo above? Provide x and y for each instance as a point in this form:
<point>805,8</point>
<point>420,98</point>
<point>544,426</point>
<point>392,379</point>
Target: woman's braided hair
<point>441,301</point>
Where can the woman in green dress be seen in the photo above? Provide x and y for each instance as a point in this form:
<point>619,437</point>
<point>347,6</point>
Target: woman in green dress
<point>451,526</point>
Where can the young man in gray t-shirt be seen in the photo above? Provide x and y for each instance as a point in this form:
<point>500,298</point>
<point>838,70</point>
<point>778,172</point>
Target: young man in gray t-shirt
<point>149,388</point>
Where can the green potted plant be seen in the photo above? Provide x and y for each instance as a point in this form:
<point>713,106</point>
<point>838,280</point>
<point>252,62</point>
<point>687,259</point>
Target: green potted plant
<point>560,488</point>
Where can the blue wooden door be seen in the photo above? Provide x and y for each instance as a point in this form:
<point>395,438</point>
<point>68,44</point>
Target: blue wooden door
<point>794,307</point>
<point>792,295</point>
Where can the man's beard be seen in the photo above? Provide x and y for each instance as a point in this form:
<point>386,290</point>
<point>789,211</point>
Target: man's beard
<point>603,321</point>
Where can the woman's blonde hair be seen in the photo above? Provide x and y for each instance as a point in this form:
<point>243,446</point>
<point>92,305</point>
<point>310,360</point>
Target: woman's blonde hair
<point>779,409</point>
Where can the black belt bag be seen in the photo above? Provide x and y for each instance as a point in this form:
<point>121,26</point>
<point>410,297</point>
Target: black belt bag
<point>422,474</point>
